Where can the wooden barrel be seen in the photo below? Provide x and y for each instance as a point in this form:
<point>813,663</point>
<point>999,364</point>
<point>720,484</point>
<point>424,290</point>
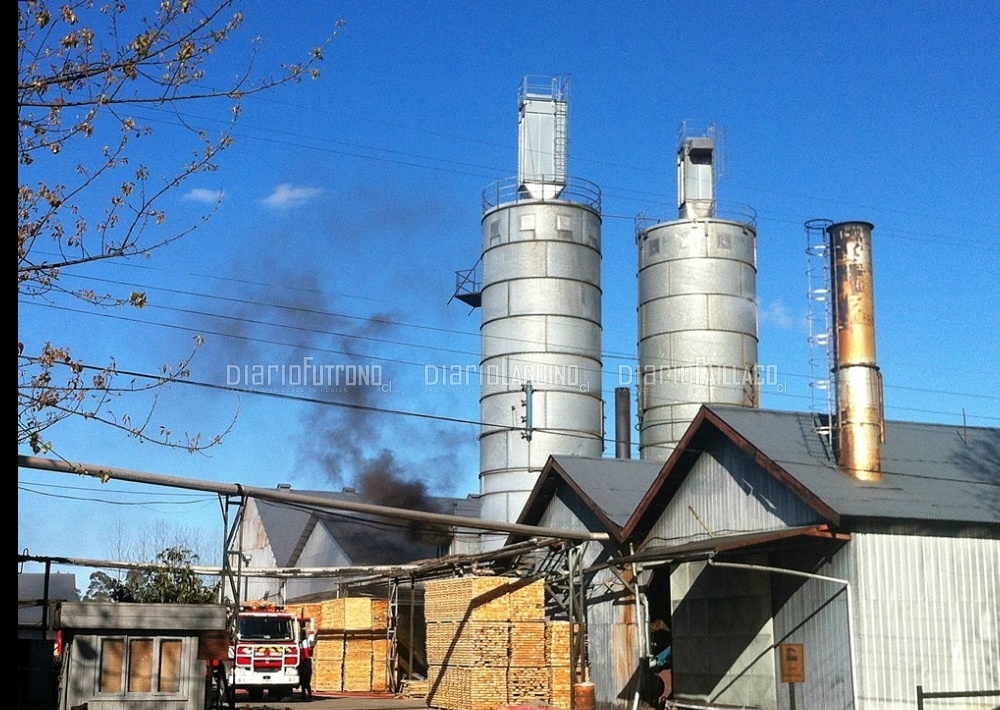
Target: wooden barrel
<point>583,696</point>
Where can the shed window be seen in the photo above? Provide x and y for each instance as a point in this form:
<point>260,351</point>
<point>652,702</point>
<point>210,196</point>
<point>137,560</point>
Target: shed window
<point>140,666</point>
<point>112,657</point>
<point>169,677</point>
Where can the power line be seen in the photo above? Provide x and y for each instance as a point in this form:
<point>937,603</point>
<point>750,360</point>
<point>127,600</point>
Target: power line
<point>431,162</point>
<point>313,348</point>
<point>91,499</point>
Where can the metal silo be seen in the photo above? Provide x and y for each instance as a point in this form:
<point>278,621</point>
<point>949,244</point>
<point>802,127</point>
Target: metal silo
<point>541,310</point>
<point>697,305</point>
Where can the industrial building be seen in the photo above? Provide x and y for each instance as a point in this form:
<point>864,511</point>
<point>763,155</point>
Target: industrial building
<point>800,559</point>
<point>275,536</point>
<point>821,559</point>
<point>752,541</point>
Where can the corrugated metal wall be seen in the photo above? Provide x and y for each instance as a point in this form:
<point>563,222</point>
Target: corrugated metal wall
<point>727,493</point>
<point>257,546</point>
<point>723,635</point>
<point>927,611</point>
<point>814,613</point>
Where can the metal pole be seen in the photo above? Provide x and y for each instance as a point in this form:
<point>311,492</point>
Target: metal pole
<point>571,610</point>
<point>45,600</point>
<point>641,627</point>
<point>413,611</point>
<point>105,473</point>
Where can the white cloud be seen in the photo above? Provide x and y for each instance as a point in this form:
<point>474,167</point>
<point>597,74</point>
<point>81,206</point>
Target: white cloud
<point>777,314</point>
<point>202,194</point>
<point>285,196</point>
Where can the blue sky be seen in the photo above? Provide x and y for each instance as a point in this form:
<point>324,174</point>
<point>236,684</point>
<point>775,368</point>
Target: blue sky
<point>349,203</point>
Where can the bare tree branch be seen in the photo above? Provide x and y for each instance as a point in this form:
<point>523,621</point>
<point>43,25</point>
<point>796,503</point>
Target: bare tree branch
<point>82,69</point>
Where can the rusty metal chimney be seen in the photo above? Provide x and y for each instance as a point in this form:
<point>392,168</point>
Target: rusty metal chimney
<point>859,418</point>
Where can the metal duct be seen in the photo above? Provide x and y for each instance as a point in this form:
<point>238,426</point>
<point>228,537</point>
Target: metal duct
<point>859,426</point>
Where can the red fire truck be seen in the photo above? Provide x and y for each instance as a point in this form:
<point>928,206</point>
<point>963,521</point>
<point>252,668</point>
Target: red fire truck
<point>266,652</point>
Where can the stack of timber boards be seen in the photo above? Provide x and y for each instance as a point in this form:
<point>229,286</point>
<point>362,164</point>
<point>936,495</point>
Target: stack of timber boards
<point>351,653</point>
<point>489,644</point>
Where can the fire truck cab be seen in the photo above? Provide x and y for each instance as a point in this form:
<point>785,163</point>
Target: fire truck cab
<point>266,651</point>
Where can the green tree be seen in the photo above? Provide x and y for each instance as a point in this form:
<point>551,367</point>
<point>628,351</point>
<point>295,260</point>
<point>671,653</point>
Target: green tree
<point>169,579</point>
<point>86,192</point>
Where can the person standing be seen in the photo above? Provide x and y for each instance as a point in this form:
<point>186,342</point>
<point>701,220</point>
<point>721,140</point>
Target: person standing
<point>306,670</point>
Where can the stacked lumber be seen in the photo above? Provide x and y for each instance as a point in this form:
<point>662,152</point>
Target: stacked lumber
<point>351,653</point>
<point>489,645</point>
<point>414,688</point>
<point>528,678</point>
<point>328,661</point>
<point>474,643</point>
<point>358,663</point>
<point>561,676</point>
<point>311,611</point>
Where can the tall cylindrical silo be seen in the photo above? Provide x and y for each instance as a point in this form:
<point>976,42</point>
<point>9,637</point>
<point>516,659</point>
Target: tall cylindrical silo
<point>697,307</point>
<point>541,312</point>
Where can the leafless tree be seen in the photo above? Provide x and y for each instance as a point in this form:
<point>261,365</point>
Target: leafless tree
<point>86,192</point>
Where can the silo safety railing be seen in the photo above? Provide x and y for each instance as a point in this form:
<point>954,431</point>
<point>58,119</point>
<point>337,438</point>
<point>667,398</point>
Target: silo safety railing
<point>721,210</point>
<point>469,285</point>
<point>574,190</point>
<point>547,87</point>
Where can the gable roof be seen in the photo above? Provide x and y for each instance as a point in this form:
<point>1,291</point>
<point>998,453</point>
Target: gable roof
<point>371,540</point>
<point>930,472</point>
<point>288,528</point>
<point>284,526</point>
<point>609,487</point>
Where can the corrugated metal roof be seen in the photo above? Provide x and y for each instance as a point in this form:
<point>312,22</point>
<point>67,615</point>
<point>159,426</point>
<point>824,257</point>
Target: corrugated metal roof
<point>31,587</point>
<point>610,487</point>
<point>614,485</point>
<point>285,525</point>
<point>367,540</point>
<point>930,472</point>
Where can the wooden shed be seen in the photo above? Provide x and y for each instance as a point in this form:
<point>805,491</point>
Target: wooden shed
<point>143,656</point>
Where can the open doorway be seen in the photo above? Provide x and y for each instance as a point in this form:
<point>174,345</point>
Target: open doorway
<point>660,637</point>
